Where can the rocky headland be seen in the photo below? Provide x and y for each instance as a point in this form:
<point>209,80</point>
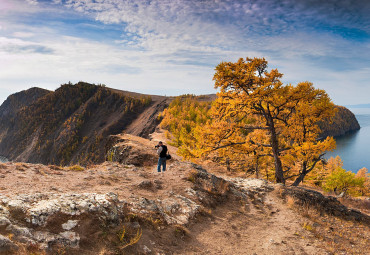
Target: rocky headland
<point>343,122</point>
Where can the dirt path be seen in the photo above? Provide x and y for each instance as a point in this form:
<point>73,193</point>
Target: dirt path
<point>254,228</point>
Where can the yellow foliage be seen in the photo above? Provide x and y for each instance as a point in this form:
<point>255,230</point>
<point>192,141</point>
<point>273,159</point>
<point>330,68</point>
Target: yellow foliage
<point>256,124</point>
<point>76,168</point>
<point>363,174</point>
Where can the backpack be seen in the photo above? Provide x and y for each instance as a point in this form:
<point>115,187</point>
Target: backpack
<point>163,152</point>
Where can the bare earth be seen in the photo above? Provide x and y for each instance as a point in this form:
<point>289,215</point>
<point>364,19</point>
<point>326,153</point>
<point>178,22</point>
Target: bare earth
<point>262,225</point>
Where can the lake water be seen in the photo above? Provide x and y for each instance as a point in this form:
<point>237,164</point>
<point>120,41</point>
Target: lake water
<point>3,159</point>
<point>354,148</point>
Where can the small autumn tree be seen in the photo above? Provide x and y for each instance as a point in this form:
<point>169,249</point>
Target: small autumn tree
<point>365,189</point>
<point>277,120</point>
<point>341,180</point>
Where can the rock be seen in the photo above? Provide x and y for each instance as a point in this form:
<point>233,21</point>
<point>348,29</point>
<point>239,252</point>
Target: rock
<point>341,194</point>
<point>146,250</point>
<point>4,221</point>
<point>19,231</point>
<point>145,184</point>
<point>70,238</point>
<point>158,184</point>
<point>6,245</point>
<point>191,192</point>
<point>252,185</point>
<point>70,224</point>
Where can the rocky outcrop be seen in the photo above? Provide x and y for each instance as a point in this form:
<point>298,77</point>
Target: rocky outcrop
<point>344,122</point>
<point>49,220</point>
<point>325,204</point>
<point>130,150</point>
<point>73,221</point>
<point>146,209</point>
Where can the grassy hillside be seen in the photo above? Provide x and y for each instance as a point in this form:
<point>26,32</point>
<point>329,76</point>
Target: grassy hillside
<point>70,125</point>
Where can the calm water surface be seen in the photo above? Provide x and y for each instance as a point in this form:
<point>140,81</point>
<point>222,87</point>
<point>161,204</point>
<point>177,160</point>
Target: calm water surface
<point>354,148</point>
<point>3,159</point>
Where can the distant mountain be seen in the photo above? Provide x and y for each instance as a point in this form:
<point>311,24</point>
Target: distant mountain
<point>72,124</point>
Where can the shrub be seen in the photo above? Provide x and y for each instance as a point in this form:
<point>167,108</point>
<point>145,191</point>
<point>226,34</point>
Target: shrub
<point>341,180</point>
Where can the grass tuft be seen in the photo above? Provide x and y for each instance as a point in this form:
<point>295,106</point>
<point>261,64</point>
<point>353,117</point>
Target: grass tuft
<point>76,168</point>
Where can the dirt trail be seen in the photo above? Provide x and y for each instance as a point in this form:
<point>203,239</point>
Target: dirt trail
<point>259,228</point>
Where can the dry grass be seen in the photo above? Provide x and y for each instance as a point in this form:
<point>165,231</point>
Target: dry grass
<point>338,236</point>
<point>129,239</point>
<point>222,187</point>
<point>181,231</point>
<point>362,204</point>
<point>76,168</point>
<point>3,166</point>
<point>307,226</point>
<point>290,202</point>
<point>21,166</point>
<point>192,176</point>
<point>55,167</point>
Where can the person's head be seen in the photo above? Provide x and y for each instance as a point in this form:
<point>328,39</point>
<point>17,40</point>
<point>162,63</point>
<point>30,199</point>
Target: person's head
<point>160,143</point>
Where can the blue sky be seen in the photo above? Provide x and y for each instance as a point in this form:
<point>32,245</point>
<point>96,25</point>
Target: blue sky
<point>171,47</point>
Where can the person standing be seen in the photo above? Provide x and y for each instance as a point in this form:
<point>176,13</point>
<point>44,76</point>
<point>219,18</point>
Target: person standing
<point>162,152</point>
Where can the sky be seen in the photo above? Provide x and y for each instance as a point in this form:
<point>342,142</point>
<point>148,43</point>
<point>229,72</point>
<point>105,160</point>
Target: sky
<point>171,47</point>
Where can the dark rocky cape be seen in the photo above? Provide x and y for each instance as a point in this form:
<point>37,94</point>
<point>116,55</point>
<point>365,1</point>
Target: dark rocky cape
<point>72,124</point>
<point>343,122</point>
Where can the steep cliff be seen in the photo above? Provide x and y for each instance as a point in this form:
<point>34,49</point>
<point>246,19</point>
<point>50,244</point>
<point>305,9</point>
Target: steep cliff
<point>69,125</point>
<point>344,121</point>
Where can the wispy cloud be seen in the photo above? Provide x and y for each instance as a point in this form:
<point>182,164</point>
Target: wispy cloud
<point>172,46</point>
<point>17,46</point>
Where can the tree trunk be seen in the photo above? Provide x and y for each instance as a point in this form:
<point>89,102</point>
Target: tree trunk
<point>279,175</point>
<point>257,169</point>
<point>304,172</point>
<point>228,164</point>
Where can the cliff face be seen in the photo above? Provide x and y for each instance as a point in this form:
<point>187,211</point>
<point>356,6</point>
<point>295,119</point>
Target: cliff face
<point>344,121</point>
<point>70,125</point>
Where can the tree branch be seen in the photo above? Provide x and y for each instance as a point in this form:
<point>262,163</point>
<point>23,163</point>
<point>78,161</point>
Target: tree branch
<point>227,145</point>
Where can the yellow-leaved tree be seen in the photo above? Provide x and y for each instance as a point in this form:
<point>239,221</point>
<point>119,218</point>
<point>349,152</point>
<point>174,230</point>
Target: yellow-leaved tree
<point>265,118</point>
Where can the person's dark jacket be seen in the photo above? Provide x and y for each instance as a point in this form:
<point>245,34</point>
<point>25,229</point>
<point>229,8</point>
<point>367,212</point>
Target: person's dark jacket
<point>163,152</point>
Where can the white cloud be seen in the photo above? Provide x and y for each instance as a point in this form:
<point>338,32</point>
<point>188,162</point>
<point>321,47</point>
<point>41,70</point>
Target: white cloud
<point>23,34</point>
<point>171,47</point>
<point>32,2</point>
